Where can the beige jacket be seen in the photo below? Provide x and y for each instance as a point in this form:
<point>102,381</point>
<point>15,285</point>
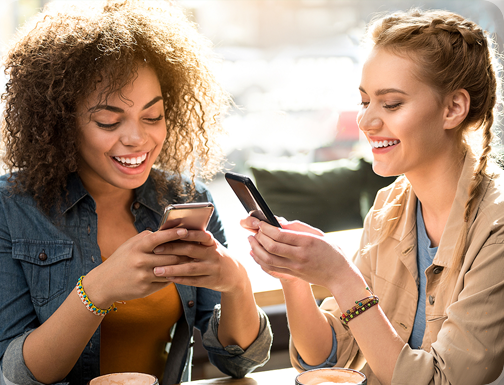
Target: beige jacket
<point>464,334</point>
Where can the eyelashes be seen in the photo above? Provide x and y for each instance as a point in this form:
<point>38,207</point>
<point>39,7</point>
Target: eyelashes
<point>107,126</point>
<point>155,119</point>
<point>111,126</point>
<point>392,106</point>
<point>385,105</point>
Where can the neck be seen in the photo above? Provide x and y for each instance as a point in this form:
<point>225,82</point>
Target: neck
<point>436,191</point>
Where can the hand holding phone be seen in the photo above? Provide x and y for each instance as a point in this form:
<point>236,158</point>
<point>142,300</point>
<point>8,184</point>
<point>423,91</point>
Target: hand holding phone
<point>250,197</point>
<point>191,216</point>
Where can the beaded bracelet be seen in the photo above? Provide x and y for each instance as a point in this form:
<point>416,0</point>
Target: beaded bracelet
<point>87,302</point>
<point>361,307</point>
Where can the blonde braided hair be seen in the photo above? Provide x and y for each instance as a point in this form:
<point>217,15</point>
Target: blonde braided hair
<point>452,53</point>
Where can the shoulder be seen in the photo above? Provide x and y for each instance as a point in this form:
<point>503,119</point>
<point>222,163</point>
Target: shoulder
<point>4,183</point>
<point>7,183</point>
<point>490,211</point>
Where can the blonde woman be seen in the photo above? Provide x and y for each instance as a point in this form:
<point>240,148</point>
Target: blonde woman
<point>419,301</point>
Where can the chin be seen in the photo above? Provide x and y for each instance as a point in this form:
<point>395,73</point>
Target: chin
<point>131,184</point>
<point>384,171</point>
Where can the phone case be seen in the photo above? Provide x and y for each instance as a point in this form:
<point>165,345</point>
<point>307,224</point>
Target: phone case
<point>191,216</point>
<point>250,198</point>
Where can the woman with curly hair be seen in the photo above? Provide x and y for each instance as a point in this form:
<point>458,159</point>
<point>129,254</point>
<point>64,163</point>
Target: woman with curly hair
<point>107,108</point>
<point>418,304</point>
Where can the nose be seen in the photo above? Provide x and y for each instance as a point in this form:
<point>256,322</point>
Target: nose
<point>134,134</point>
<point>368,120</point>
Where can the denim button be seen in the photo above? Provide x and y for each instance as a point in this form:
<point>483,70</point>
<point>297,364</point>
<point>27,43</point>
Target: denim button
<point>148,228</point>
<point>42,256</point>
<point>136,205</point>
<point>431,299</point>
<point>190,303</point>
<point>89,229</point>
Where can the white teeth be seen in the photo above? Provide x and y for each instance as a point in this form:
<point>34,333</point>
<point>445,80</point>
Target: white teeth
<point>131,162</point>
<point>383,143</point>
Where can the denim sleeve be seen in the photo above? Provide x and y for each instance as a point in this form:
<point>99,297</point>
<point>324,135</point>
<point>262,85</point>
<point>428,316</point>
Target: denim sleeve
<point>232,359</point>
<point>329,362</point>
<point>17,315</point>
<point>13,370</point>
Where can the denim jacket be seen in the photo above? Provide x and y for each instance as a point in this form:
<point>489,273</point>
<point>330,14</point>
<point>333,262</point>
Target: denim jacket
<point>41,258</point>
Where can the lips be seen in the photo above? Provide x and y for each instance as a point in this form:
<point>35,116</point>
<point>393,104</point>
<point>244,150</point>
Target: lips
<point>130,162</point>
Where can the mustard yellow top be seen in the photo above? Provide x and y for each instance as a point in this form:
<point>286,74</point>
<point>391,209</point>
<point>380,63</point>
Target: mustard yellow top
<point>134,338</point>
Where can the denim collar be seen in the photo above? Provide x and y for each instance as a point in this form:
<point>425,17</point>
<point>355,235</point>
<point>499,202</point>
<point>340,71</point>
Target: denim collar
<point>145,194</point>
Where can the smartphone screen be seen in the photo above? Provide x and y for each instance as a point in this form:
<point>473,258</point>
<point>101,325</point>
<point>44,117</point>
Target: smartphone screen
<point>191,216</point>
<point>250,198</point>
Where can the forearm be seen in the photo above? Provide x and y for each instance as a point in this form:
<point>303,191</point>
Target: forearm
<point>377,339</point>
<point>51,351</point>
<point>309,328</point>
<point>239,321</point>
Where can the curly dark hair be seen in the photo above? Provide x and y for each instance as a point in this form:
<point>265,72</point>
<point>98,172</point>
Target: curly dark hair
<point>59,59</point>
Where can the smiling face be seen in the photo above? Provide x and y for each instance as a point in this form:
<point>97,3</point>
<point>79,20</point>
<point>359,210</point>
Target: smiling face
<point>122,136</point>
<point>402,117</point>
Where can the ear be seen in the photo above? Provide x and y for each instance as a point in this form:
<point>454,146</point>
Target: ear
<point>456,108</point>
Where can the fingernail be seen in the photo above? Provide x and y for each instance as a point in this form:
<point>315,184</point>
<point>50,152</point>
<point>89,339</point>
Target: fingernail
<point>158,270</point>
<point>158,249</point>
<point>255,223</point>
<point>182,232</point>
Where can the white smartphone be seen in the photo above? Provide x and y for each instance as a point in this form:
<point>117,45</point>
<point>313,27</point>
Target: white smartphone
<point>191,216</point>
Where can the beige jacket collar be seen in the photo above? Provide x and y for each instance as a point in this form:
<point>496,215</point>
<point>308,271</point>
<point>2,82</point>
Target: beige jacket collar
<point>446,250</point>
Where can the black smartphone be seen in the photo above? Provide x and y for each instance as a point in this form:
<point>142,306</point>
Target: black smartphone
<point>191,216</point>
<point>250,198</point>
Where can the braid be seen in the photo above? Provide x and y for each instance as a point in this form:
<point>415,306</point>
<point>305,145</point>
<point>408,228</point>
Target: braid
<point>479,173</point>
<point>467,30</point>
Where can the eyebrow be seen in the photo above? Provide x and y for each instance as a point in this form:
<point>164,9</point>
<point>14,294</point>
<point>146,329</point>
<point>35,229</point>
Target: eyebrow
<point>385,91</point>
<point>106,107</point>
